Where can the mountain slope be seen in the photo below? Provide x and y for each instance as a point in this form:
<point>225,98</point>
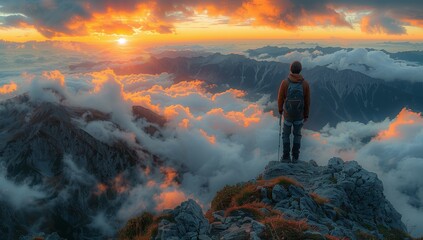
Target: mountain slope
<point>68,175</point>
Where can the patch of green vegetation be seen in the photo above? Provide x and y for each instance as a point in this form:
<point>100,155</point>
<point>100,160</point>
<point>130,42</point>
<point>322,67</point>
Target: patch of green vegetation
<point>251,210</point>
<point>286,182</point>
<point>248,194</point>
<point>136,226</point>
<point>223,198</point>
<point>279,228</point>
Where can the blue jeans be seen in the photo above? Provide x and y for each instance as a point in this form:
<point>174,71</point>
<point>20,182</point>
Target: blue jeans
<point>295,128</point>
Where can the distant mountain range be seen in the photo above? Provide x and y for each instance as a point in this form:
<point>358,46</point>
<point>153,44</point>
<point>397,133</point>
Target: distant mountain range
<point>337,96</point>
<point>273,51</point>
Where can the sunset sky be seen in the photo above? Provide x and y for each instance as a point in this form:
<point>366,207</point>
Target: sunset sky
<point>103,21</point>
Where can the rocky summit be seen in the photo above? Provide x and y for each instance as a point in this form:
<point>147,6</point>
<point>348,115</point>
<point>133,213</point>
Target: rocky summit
<point>287,201</point>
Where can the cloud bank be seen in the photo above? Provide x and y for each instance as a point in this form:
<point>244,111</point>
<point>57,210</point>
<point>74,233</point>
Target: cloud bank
<point>208,136</point>
<point>57,18</point>
<point>373,63</point>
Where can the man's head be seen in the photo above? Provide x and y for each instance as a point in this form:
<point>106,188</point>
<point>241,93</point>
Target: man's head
<point>296,67</point>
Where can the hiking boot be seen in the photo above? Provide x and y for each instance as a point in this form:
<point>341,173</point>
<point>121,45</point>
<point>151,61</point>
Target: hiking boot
<point>295,152</point>
<point>286,152</point>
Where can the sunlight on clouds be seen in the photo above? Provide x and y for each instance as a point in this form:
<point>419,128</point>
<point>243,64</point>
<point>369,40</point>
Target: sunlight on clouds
<point>405,117</point>
<point>169,199</point>
<point>207,136</point>
<point>8,88</point>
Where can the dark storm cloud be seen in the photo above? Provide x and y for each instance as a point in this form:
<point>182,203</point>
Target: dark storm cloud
<point>63,17</point>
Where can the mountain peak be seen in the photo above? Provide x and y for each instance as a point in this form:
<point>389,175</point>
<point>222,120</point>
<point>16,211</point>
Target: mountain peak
<point>289,201</point>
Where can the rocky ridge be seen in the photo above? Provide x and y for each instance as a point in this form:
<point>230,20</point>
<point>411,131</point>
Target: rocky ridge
<point>288,201</point>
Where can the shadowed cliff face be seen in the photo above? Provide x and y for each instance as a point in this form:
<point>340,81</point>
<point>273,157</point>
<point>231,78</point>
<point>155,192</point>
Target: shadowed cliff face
<point>287,201</point>
<point>56,175</point>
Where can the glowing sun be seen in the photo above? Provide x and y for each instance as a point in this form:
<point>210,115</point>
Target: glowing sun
<point>122,41</point>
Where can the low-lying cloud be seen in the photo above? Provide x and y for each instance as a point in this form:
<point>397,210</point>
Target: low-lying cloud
<point>377,64</point>
<point>19,195</point>
<point>209,136</point>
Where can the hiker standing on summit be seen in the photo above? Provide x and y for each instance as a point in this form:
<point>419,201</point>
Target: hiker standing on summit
<point>294,104</point>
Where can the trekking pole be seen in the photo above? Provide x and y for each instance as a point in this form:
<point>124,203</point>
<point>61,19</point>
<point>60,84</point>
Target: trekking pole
<point>280,130</point>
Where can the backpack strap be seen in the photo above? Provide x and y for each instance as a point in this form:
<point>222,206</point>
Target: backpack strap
<point>290,81</point>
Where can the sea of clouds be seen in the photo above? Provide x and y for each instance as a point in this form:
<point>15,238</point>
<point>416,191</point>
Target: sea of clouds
<point>214,139</point>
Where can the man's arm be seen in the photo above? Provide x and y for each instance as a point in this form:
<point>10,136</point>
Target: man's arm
<point>281,97</point>
<point>306,100</point>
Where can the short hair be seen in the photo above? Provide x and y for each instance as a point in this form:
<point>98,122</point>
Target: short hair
<point>296,67</point>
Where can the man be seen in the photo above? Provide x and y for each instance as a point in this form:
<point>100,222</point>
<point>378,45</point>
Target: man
<point>294,104</point>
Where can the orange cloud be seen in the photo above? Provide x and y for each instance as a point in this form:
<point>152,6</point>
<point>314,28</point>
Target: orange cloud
<point>119,184</point>
<point>184,123</point>
<point>55,76</point>
<point>250,115</point>
<point>174,111</point>
<point>142,100</point>
<point>290,15</point>
<point>211,139</point>
<point>99,18</point>
<point>404,118</point>
<point>186,88</point>
<point>234,92</point>
<point>318,137</point>
<point>170,176</point>
<point>169,199</point>
<point>100,189</point>
<point>103,77</point>
<point>8,88</point>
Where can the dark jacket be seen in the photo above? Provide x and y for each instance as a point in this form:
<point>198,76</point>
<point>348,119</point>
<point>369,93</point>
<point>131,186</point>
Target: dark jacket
<point>283,89</point>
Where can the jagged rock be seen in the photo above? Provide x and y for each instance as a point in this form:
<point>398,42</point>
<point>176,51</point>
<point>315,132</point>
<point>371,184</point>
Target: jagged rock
<point>340,199</point>
<point>279,193</point>
<point>219,215</point>
<point>189,222</point>
<point>335,163</point>
<point>355,195</point>
<point>235,233</point>
<point>314,235</point>
<point>257,227</point>
<point>203,237</point>
<point>167,230</point>
<point>217,227</point>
